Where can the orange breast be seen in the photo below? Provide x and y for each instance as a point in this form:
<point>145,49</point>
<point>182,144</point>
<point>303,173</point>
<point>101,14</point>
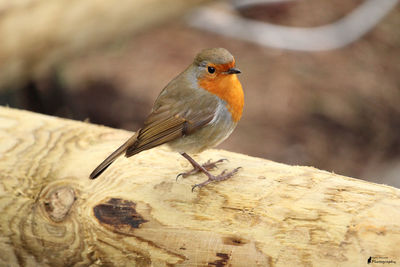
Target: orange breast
<point>228,88</point>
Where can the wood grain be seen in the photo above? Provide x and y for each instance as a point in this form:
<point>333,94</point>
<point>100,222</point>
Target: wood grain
<point>269,214</point>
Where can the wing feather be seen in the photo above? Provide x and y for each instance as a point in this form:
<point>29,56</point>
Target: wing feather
<point>162,131</point>
<point>179,110</point>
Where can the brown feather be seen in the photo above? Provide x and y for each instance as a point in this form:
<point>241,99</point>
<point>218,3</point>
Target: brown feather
<point>161,132</point>
<point>111,158</point>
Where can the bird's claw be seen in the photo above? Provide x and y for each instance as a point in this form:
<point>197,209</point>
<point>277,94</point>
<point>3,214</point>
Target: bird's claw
<point>193,187</point>
<point>208,166</point>
<point>223,176</point>
<point>181,174</point>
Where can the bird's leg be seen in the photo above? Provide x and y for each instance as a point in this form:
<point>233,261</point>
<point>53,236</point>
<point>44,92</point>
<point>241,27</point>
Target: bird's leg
<point>208,166</point>
<point>211,178</point>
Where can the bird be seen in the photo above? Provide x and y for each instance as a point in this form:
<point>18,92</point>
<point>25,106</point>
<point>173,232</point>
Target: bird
<point>195,111</point>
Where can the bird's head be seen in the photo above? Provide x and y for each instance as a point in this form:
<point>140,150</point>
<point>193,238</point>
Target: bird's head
<point>213,63</point>
<point>216,73</point>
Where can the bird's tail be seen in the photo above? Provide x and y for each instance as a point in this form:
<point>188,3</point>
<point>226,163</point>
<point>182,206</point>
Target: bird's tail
<point>110,159</point>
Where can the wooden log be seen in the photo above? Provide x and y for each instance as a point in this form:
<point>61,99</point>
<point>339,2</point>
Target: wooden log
<point>269,214</point>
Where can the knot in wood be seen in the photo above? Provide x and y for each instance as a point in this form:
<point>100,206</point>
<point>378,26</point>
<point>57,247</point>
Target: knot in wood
<point>119,214</point>
<point>59,202</point>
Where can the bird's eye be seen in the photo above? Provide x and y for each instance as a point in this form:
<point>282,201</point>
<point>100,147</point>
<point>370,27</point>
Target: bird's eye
<point>211,70</point>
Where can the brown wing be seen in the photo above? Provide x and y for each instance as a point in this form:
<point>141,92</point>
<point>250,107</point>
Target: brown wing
<point>162,127</point>
<point>179,110</point>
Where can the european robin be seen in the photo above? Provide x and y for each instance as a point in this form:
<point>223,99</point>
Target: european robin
<point>197,110</point>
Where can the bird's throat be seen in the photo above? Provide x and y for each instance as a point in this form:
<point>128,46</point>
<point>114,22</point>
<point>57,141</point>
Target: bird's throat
<point>228,88</point>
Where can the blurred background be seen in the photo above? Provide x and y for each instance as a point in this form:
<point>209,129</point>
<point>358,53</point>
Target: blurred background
<point>321,78</point>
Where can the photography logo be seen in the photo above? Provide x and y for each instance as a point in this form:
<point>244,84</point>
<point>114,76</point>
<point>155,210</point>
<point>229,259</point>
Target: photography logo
<point>382,260</point>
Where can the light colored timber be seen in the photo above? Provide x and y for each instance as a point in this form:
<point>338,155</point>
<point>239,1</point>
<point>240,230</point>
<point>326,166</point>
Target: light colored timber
<point>135,213</point>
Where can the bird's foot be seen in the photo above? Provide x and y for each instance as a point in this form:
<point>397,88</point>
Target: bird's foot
<point>211,178</point>
<point>222,177</point>
<point>208,166</point>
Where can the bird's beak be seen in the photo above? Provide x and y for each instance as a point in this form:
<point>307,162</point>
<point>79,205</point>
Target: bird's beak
<point>233,71</point>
